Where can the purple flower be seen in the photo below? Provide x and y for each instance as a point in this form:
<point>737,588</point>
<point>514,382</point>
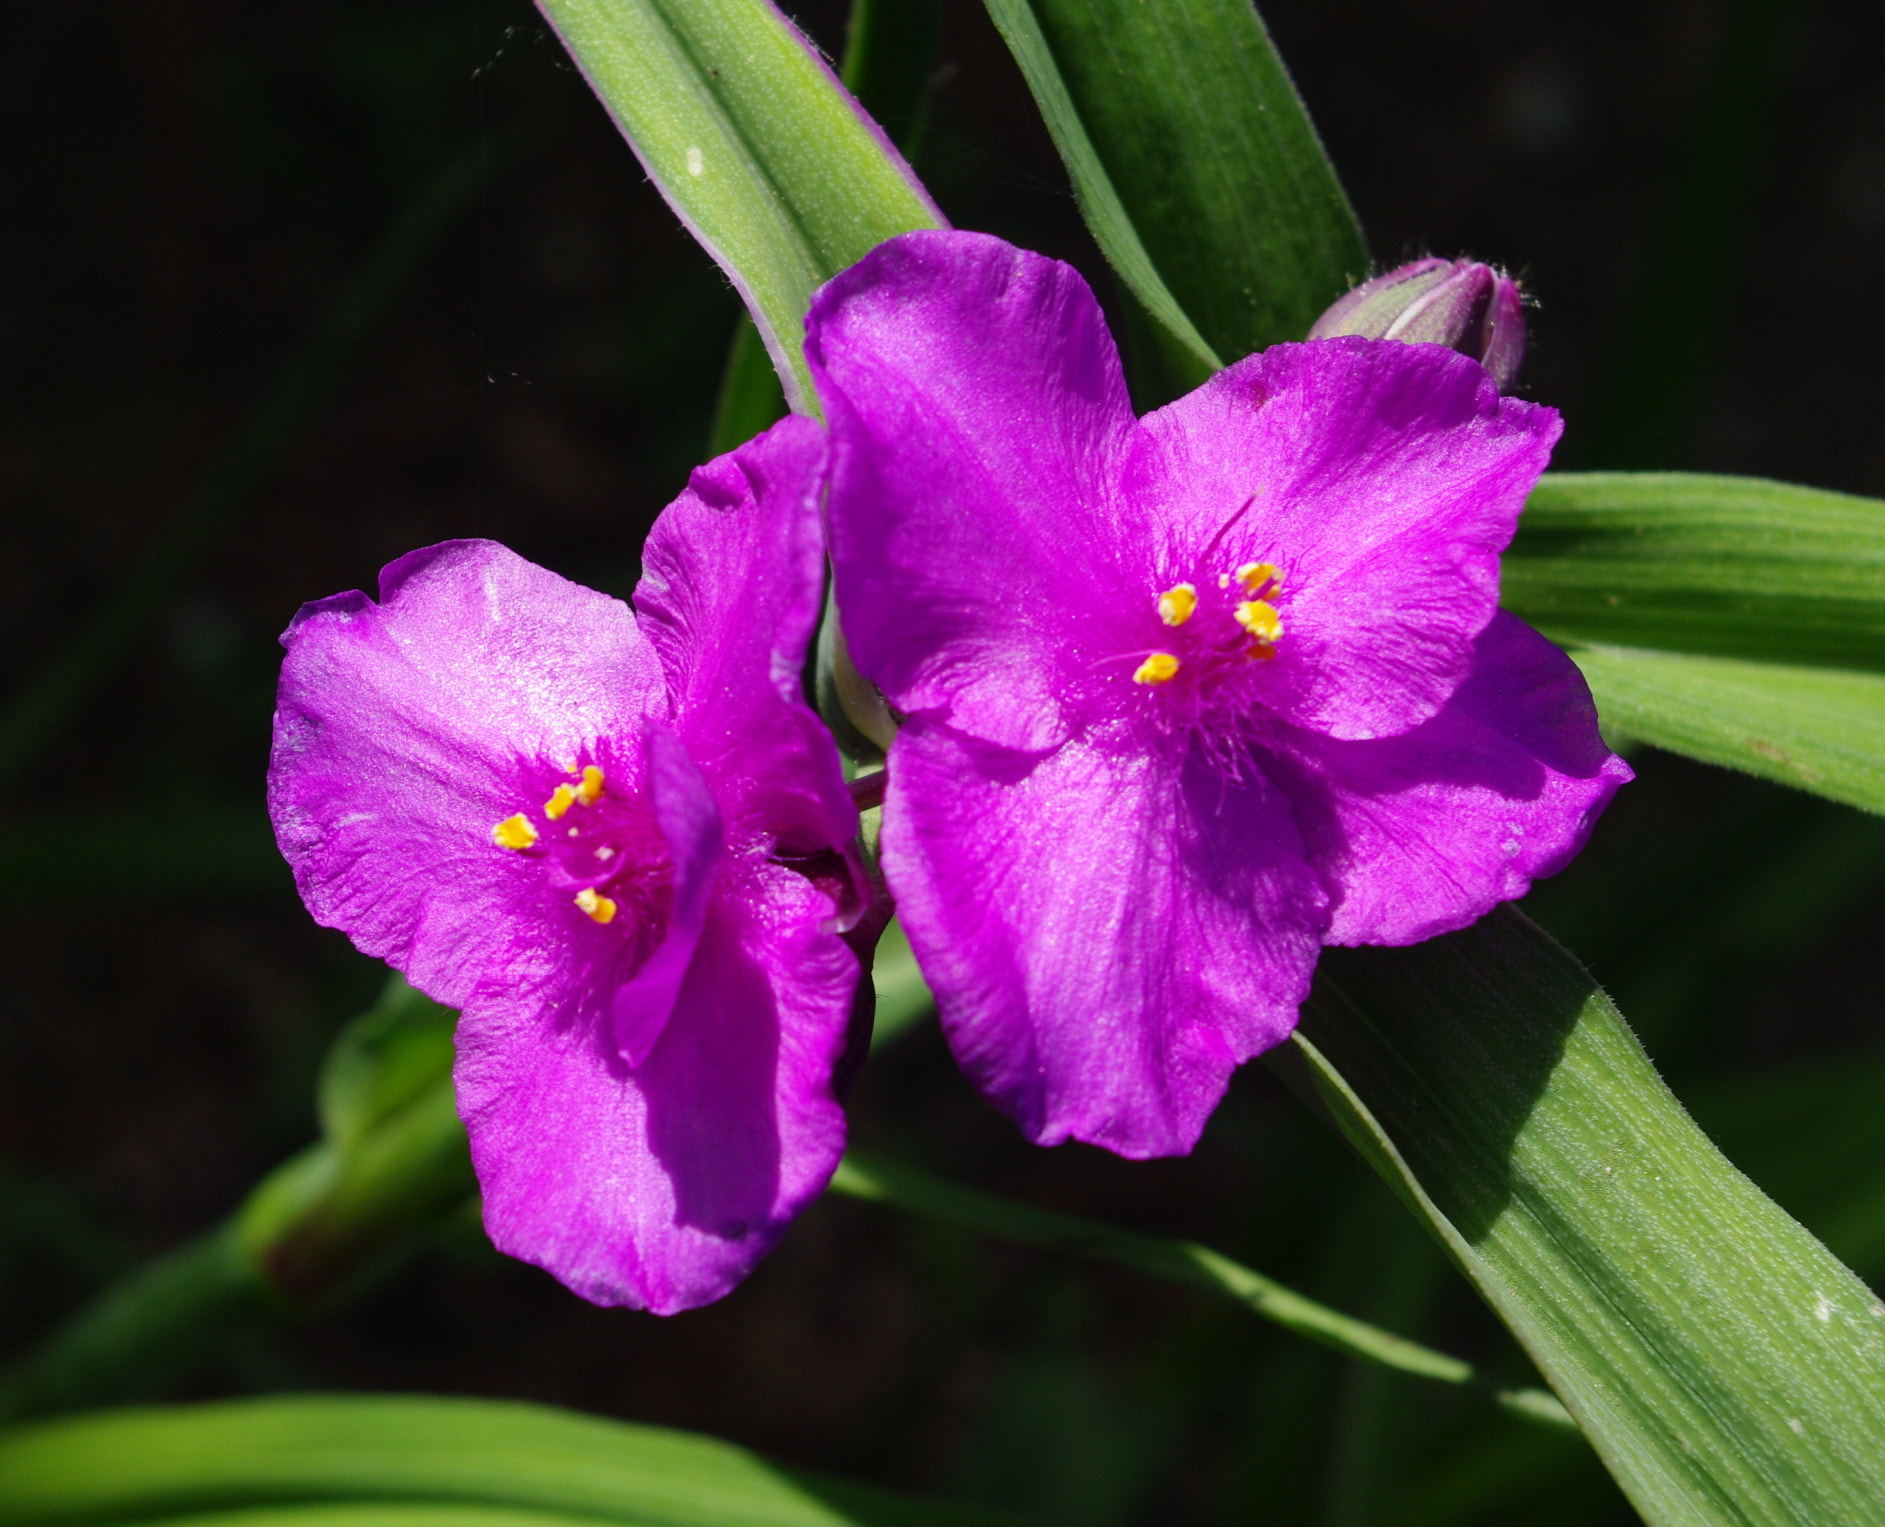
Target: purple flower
<point>620,842</point>
<point>1189,696</point>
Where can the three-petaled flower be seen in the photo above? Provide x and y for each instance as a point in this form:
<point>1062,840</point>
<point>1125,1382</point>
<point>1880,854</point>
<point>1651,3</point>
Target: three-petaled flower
<point>1188,696</point>
<point>622,844</point>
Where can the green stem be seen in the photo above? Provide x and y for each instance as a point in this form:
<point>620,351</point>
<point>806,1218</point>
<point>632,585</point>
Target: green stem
<point>880,1181</point>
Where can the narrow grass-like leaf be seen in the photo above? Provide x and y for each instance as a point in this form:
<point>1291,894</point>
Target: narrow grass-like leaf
<point>1684,562</point>
<point>1822,729</point>
<point>1196,127</point>
<point>869,1177</point>
<point>1099,199</point>
<point>422,1462</point>
<point>1724,1364</point>
<point>754,143</point>
<point>1813,1135</point>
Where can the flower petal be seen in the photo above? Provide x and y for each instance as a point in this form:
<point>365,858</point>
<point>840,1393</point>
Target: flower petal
<point>1108,937</point>
<point>661,1186</point>
<point>733,574</point>
<point>978,415</point>
<point>1427,832</point>
<point>1387,478</point>
<point>684,810</point>
<point>405,730</point>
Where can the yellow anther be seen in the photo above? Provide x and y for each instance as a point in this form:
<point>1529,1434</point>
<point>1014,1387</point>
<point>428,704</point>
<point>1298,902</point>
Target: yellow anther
<point>1260,620</point>
<point>514,832</point>
<point>561,799</point>
<point>1156,669</point>
<point>595,904</point>
<point>1176,603</point>
<point>588,792</point>
<point>1254,575</point>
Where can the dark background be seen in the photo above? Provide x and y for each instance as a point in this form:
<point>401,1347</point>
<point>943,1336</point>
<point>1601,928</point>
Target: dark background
<point>1695,193</point>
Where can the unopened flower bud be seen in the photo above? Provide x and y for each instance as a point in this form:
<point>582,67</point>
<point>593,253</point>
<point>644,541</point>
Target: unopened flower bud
<point>1471,307</point>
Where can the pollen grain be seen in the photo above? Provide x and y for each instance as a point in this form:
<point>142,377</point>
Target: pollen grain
<point>1260,620</point>
<point>514,832</point>
<point>1176,604</point>
<point>1159,668</point>
<point>597,906</point>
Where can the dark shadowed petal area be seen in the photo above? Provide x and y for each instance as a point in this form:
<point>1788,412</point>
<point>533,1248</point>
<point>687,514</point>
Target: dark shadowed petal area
<point>1108,936</point>
<point>660,1186</point>
<point>1427,832</point>
<point>684,811</point>
<point>729,597</point>
<point>978,419</point>
<point>405,730</point>
<point>1387,479</point>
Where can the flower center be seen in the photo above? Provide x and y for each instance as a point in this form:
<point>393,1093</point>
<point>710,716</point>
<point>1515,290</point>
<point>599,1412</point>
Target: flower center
<point>1238,626</point>
<point>600,847</point>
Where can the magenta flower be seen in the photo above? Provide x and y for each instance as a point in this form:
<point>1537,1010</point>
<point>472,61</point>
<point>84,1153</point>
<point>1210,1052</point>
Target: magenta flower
<point>1187,696</point>
<point>620,842</point>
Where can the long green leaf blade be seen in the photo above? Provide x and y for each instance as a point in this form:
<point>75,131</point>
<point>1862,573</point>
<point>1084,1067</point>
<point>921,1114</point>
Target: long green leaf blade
<point>422,1461</point>
<point>1725,1365</point>
<point>875,1179</point>
<point>1685,562</point>
<point>1100,203</point>
<point>753,142</point>
<point>1197,127</point>
<point>1821,729</point>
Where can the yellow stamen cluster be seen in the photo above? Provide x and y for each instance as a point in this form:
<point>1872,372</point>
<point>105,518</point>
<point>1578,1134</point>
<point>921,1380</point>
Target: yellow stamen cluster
<point>595,904</point>
<point>1176,604</point>
<point>1159,668</point>
<point>514,832</point>
<point>517,832</point>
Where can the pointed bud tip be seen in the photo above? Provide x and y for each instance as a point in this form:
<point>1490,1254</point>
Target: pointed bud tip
<point>1469,306</point>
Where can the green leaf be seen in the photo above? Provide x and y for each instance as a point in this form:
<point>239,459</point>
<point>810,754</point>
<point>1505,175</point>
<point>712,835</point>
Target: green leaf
<point>1683,562</point>
<point>753,142</point>
<point>1093,188</point>
<point>904,999</point>
<point>1822,729</point>
<point>870,1177</point>
<point>1721,1361</point>
<point>417,1462</point>
<point>383,1060</point>
<point>1187,142</point>
<point>890,63</point>
<point>1813,1135</point>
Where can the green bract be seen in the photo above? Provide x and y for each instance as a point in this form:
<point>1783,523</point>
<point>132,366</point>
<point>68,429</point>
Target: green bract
<point>752,141</point>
